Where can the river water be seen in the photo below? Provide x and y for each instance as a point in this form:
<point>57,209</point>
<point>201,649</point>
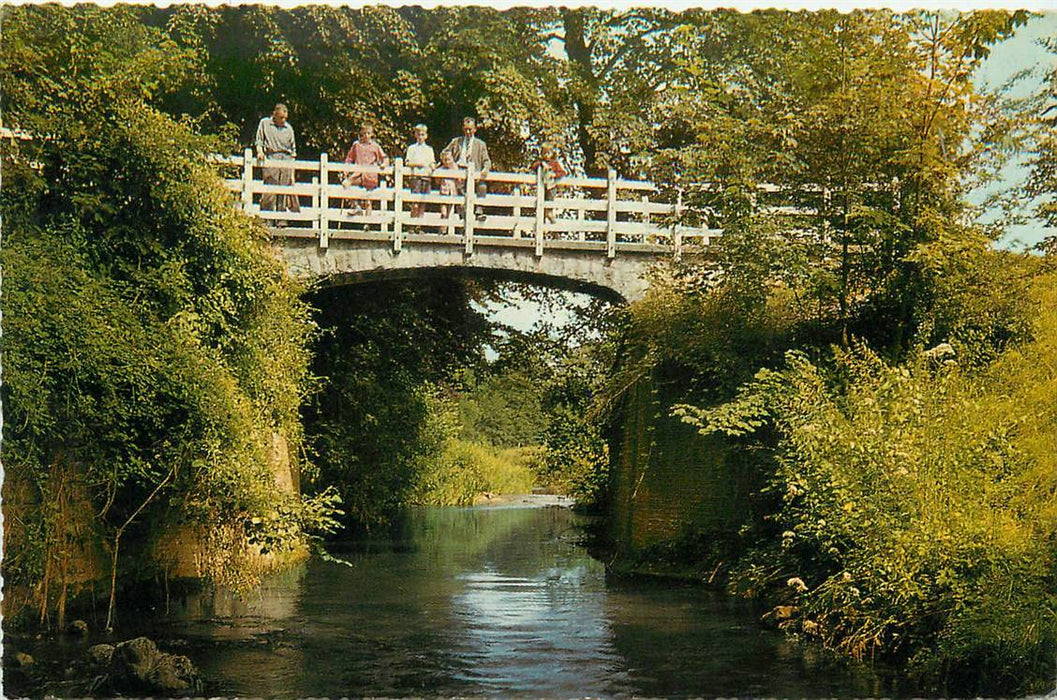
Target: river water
<point>496,601</point>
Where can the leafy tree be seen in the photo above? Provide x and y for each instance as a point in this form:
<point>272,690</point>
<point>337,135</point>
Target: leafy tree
<point>492,64</point>
<point>873,109</point>
<point>503,410</point>
<point>335,68</point>
<point>155,348</point>
<point>61,66</point>
<point>340,67</point>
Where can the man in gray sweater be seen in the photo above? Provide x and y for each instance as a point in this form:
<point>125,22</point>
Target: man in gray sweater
<point>275,141</point>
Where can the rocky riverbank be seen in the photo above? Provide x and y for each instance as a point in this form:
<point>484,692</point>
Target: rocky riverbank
<point>69,665</point>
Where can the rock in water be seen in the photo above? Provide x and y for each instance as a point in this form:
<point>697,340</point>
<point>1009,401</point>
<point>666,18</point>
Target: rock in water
<point>22,660</point>
<point>100,654</point>
<point>132,662</point>
<point>79,627</point>
<point>138,666</point>
<point>173,673</point>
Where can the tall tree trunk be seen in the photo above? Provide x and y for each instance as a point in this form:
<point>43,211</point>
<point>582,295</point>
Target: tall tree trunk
<point>585,92</point>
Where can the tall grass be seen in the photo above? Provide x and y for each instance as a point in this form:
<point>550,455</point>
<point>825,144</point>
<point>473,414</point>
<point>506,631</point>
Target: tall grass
<point>464,470</point>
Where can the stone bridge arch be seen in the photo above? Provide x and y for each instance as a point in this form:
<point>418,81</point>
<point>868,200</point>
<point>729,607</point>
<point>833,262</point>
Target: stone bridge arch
<point>620,279</point>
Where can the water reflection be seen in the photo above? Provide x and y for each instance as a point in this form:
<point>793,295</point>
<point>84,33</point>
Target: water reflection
<point>533,616</point>
<point>487,602</point>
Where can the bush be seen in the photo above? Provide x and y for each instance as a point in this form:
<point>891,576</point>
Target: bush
<point>154,345</point>
<point>503,409</point>
<point>916,521</point>
<point>575,458</point>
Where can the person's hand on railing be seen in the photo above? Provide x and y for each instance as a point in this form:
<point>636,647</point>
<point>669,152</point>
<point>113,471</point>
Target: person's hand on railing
<point>354,175</point>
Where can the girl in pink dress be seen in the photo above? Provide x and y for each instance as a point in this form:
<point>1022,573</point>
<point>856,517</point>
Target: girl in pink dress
<point>365,151</point>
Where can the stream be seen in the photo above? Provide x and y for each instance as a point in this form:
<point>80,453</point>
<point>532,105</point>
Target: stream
<point>495,601</point>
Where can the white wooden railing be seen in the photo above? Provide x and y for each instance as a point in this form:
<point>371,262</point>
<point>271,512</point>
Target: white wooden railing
<point>603,214</point>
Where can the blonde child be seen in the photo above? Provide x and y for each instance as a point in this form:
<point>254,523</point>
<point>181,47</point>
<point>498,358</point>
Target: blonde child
<point>420,159</point>
<point>448,185</point>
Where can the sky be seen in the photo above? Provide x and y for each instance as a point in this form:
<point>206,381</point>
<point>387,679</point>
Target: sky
<point>1022,52</point>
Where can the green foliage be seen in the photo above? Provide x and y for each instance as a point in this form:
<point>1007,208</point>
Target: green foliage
<point>495,65</point>
<point>383,350</point>
<point>576,457</point>
<point>339,67</point>
<point>462,471</point>
<point>503,409</point>
<point>1042,182</point>
<point>155,348</point>
<point>895,523</point>
<point>61,64</point>
<point>876,109</point>
<point>291,522</point>
<point>976,299</point>
<point>912,521</point>
<point>153,343</point>
<point>410,412</point>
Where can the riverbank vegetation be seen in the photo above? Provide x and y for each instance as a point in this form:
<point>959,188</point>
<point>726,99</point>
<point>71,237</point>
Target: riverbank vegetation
<point>909,509</point>
<point>155,351</point>
<point>883,366</point>
<point>462,472</point>
<point>865,350</point>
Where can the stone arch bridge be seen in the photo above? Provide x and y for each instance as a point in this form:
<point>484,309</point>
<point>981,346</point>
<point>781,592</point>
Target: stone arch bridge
<point>599,235</point>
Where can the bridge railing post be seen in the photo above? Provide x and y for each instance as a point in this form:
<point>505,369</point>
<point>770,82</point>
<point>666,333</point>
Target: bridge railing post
<point>540,206</point>
<point>468,215</point>
<point>646,237</point>
<point>677,234</point>
<point>383,205</point>
<point>580,218</point>
<point>517,212</point>
<point>247,181</point>
<point>315,201</point>
<point>324,201</point>
<point>611,213</point>
<point>398,204</point>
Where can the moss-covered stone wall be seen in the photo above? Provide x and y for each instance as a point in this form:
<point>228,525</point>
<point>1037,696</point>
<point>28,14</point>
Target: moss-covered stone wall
<point>666,477</point>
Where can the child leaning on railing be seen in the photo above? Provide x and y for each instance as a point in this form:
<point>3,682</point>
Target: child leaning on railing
<point>553,170</point>
<point>448,185</point>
